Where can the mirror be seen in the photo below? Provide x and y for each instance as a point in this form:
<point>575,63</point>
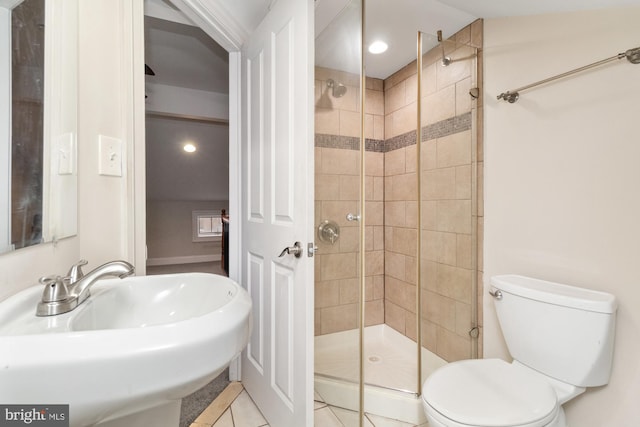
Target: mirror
<point>38,121</point>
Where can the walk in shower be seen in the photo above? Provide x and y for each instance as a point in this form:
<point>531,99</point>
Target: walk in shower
<point>399,218</point>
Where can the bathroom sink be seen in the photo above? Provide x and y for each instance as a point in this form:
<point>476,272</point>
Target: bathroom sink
<point>134,348</point>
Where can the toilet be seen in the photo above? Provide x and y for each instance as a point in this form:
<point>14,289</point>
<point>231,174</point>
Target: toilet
<point>561,340</point>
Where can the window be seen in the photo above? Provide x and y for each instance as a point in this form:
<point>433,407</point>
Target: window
<point>207,226</point>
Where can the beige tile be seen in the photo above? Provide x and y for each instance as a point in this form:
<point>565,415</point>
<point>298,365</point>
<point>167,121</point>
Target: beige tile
<point>400,75</point>
<point>339,318</point>
<point>374,263</point>
<point>350,101</point>
<point>464,251</point>
<point>317,318</point>
<point>220,404</point>
<point>374,163</point>
<point>394,316</point>
<point>428,154</point>
<point>454,216</point>
<point>429,215</point>
<point>410,270</point>
<point>349,187</point>
<point>411,213</point>
<point>439,310</point>
<point>411,89</point>
<point>411,164</point>
<point>405,241</point>
<point>349,290</point>
<point>476,33</point>
<point>394,98</point>
<point>318,159</point>
<point>378,127</point>
<point>374,213</point>
<point>454,150</point>
<point>451,346</point>
<point>430,335</point>
<point>410,325</point>
<point>327,121</point>
<point>327,293</point>
<point>394,265</point>
<point>327,187</point>
<point>378,188</point>
<point>388,126</point>
<point>395,292</point>
<point>480,247</point>
<point>429,80</point>
<point>394,162</point>
<point>463,182</point>
<point>454,282</point>
<point>368,126</point>
<point>395,213</point>
<point>463,319</point>
<point>374,102</point>
<point>439,247</point>
<point>340,162</point>
<point>405,119</point>
<point>245,412</point>
<point>438,106</point>
<point>378,287</point>
<point>439,184</point>
<point>403,187</point>
<point>226,420</point>
<point>338,266</point>
<point>464,35</point>
<point>374,312</point>
<point>463,99</point>
<point>480,188</point>
<point>378,238</point>
<point>349,123</point>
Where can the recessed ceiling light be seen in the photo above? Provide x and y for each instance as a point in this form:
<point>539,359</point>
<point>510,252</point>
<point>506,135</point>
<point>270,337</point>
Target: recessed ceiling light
<point>377,47</point>
<point>189,148</point>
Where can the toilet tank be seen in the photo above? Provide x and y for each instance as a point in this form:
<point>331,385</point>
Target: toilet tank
<point>563,331</point>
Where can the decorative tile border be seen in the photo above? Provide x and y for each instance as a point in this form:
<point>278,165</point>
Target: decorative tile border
<point>440,129</point>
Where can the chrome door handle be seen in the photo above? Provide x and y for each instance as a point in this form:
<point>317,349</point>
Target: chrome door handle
<point>295,250</point>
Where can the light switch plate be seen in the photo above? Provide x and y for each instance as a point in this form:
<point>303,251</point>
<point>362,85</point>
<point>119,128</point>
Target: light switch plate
<point>66,151</point>
<point>109,156</point>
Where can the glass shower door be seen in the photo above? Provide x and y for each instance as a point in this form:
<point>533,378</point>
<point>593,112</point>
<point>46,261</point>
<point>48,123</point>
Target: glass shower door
<point>338,209</point>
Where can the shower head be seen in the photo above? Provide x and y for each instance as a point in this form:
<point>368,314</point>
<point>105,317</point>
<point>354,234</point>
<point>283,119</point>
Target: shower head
<point>633,55</point>
<point>337,89</point>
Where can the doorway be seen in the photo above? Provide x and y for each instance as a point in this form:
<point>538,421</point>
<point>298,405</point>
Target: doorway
<point>187,145</point>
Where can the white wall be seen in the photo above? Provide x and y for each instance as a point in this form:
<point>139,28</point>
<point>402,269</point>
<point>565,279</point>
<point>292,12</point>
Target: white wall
<point>562,178</point>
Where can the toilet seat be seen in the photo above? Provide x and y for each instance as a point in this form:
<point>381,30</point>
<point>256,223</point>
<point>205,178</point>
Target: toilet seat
<point>489,393</point>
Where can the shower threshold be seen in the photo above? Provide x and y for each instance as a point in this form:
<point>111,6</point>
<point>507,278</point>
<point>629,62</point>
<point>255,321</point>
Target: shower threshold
<point>391,374</point>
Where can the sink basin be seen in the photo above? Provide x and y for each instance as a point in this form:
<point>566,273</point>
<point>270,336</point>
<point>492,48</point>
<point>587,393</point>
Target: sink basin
<point>131,352</point>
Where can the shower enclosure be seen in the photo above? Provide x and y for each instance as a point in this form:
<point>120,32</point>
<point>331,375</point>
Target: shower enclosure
<point>398,177</point>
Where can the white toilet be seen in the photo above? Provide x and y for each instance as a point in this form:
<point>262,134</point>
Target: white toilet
<point>561,340</point>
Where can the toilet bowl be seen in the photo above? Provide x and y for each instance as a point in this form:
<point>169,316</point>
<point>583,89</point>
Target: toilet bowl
<point>490,393</point>
<point>561,340</point>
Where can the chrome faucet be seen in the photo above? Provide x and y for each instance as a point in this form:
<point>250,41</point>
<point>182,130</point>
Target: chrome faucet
<point>63,294</point>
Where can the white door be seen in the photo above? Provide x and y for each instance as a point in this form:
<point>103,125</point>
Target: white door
<point>277,210</point>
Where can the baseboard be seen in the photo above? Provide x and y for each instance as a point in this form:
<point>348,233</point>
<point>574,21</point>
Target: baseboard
<point>183,259</point>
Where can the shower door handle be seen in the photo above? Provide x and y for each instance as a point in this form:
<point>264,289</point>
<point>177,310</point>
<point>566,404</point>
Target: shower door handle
<point>295,250</point>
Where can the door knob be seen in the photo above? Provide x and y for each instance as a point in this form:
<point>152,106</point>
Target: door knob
<point>295,250</point>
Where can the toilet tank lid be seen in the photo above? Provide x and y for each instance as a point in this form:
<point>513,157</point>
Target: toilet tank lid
<point>556,293</point>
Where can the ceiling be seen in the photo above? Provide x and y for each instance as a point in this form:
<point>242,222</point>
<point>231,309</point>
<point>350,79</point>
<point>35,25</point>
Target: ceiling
<point>185,64</point>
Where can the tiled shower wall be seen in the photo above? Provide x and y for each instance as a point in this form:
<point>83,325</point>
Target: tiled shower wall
<point>450,212</point>
<point>337,192</point>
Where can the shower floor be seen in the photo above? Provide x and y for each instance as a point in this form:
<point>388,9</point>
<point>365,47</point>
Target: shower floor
<point>390,370</point>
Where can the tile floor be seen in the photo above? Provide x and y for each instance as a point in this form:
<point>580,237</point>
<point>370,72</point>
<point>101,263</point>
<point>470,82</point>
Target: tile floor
<point>234,408</point>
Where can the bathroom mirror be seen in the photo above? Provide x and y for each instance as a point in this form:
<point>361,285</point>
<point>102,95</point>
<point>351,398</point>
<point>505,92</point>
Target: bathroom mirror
<point>38,121</point>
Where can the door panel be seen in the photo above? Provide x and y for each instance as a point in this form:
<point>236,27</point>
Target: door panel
<point>277,166</point>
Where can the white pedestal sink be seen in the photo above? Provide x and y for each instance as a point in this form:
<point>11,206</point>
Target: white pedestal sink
<point>127,355</point>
